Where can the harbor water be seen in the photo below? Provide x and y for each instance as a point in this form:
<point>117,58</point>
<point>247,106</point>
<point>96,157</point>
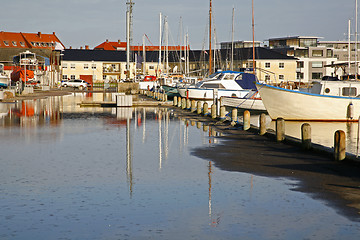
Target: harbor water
<point>129,173</point>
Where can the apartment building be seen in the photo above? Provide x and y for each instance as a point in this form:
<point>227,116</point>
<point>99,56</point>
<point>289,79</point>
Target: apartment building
<point>314,60</point>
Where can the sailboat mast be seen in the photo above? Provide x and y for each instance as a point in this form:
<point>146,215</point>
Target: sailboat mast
<point>253,33</point>
<point>210,31</point>
<point>356,39</point>
<point>232,41</point>
<point>160,41</point>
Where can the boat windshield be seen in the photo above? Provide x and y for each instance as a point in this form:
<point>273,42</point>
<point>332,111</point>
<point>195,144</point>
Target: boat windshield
<point>214,75</point>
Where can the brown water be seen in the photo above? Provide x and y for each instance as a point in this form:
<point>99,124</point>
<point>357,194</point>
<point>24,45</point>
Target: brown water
<point>91,173</point>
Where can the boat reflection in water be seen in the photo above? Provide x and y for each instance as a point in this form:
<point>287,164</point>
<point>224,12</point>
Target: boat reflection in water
<point>130,173</point>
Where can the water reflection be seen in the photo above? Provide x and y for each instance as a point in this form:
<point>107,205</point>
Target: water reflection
<point>128,173</point>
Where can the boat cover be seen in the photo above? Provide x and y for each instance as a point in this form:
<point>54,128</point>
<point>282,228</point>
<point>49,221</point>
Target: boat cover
<point>246,80</point>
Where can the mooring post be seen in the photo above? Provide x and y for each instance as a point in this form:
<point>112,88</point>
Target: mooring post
<point>280,129</point>
<point>262,120</point>
<point>205,109</point>
<point>175,101</point>
<point>179,102</point>
<point>246,121</point>
<point>188,104</point>
<point>222,112</point>
<point>205,128</point>
<point>165,97</point>
<point>198,108</point>
<point>306,136</point>
<point>339,145</point>
<point>193,106</point>
<point>213,111</point>
<point>183,103</point>
<point>234,115</point>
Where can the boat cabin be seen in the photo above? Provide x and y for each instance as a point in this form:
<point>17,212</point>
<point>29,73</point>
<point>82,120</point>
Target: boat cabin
<point>337,88</point>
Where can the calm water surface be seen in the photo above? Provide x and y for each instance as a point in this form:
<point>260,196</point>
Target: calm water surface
<point>89,173</point>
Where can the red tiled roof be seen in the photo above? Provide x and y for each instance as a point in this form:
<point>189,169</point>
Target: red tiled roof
<point>28,40</point>
<point>122,46</point>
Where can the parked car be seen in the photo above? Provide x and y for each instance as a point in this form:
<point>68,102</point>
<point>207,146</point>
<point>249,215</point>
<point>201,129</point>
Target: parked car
<point>76,83</point>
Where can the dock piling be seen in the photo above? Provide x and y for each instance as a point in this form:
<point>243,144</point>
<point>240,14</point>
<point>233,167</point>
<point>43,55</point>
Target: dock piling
<point>205,109</point>
<point>234,115</point>
<point>262,120</point>
<point>213,111</point>
<point>246,121</point>
<point>280,129</point>
<point>198,108</point>
<point>339,145</point>
<point>306,136</point>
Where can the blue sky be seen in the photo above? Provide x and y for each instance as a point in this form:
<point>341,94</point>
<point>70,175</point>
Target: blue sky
<point>90,22</point>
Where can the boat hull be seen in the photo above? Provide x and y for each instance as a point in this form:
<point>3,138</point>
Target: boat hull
<point>302,106</point>
<point>208,94</point>
<point>243,103</point>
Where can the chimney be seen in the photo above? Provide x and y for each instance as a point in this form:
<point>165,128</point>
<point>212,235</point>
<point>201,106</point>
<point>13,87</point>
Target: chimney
<point>87,47</point>
<point>107,40</point>
<point>39,34</point>
<point>81,48</point>
<point>70,47</point>
<point>119,41</point>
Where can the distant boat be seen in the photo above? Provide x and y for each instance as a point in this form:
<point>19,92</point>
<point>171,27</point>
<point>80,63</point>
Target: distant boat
<point>325,101</point>
<point>228,83</point>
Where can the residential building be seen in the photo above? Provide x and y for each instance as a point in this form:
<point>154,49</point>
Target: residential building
<point>342,53</point>
<point>313,60</point>
<point>239,44</point>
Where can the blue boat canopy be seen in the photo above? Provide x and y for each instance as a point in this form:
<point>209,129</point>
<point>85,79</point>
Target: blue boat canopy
<point>246,80</point>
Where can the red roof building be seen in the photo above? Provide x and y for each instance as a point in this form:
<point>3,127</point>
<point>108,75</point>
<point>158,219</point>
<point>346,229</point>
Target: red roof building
<point>121,46</point>
<point>29,41</point>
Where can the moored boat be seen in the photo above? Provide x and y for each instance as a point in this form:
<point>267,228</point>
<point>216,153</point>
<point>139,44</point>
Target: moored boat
<point>314,105</point>
<point>228,83</point>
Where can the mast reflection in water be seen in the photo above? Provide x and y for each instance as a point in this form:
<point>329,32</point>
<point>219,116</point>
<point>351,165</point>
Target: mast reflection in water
<point>94,173</point>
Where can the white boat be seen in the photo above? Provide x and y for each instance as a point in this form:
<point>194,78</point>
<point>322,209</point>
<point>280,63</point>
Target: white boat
<point>325,101</point>
<point>228,83</point>
<point>250,101</point>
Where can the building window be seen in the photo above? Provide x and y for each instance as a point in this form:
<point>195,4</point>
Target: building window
<point>300,64</point>
<point>267,77</point>
<point>32,43</point>
<point>281,77</point>
<point>72,77</point>
<point>93,66</point>
<point>64,77</point>
<point>14,43</point>
<point>317,64</point>
<point>64,65</point>
<point>299,75</point>
<point>316,75</point>
<point>317,53</point>
<point>281,65</point>
<point>151,67</point>
<point>72,66</point>
<point>267,65</point>
<point>329,53</point>
<point>86,66</point>
<point>22,44</point>
<point>6,43</point>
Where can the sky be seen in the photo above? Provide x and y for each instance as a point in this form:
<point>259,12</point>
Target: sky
<point>90,22</point>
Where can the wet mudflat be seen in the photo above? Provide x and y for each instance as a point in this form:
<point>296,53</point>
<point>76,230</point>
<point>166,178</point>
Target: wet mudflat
<point>71,173</point>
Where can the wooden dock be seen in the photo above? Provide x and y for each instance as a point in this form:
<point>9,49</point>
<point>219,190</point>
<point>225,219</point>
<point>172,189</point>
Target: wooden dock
<point>134,104</point>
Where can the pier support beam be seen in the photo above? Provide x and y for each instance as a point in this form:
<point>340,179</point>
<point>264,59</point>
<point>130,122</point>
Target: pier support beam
<point>339,145</point>
<point>306,136</point>
<point>280,129</point>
